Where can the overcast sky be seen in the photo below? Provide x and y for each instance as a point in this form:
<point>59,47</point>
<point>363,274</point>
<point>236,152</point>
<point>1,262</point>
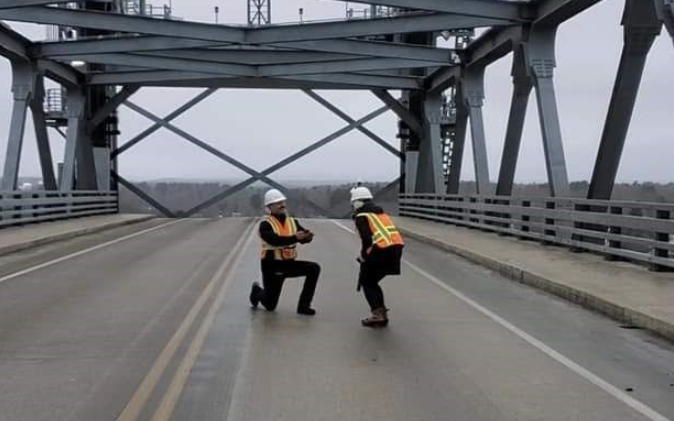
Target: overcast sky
<point>261,127</point>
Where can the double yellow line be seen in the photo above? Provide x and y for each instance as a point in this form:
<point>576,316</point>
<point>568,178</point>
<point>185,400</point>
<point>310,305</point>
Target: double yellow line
<point>165,409</point>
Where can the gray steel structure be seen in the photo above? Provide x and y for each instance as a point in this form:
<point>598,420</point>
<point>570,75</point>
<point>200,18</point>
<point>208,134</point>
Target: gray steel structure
<point>442,88</point>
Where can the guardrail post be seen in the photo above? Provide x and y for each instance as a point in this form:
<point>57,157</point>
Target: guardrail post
<point>579,225</point>
<point>660,236</point>
<point>507,216</point>
<point>550,205</point>
<point>471,211</point>
<point>613,229</point>
<point>525,218</point>
<point>17,208</point>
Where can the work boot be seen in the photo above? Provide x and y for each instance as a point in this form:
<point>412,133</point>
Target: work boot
<point>378,318</point>
<point>307,311</point>
<point>255,290</point>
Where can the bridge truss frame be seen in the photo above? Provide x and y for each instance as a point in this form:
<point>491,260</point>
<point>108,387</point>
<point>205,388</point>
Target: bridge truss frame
<point>399,51</point>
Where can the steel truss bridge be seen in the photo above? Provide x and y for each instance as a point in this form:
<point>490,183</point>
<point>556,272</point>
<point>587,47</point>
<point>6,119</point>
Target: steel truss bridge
<point>102,52</point>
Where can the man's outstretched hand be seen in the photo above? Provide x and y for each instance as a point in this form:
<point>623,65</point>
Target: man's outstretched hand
<point>304,237</point>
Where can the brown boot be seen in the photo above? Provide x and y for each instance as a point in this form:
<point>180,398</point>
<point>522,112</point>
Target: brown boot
<point>378,318</point>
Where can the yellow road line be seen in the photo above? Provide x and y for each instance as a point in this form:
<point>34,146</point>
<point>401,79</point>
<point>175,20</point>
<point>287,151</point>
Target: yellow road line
<point>170,399</point>
<point>149,383</point>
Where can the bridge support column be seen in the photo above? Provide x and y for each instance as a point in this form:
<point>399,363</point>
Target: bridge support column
<point>79,158</point>
<point>459,142</point>
<point>42,135</point>
<point>522,86</point>
<point>540,55</point>
<point>23,85</point>
<point>641,27</point>
<point>429,169</point>
<point>473,94</point>
<point>665,9</point>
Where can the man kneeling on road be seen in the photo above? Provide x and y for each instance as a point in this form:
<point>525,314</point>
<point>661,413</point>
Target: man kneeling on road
<point>280,234</point>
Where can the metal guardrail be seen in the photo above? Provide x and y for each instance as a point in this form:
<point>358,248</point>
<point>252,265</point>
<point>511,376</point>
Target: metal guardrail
<point>621,230</point>
<point>20,208</point>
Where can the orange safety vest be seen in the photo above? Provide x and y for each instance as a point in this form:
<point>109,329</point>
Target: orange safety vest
<point>282,230</point>
<point>384,233</point>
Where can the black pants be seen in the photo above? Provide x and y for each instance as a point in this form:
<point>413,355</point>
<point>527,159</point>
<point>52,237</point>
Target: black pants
<point>275,272</point>
<point>369,278</point>
<point>379,264</point>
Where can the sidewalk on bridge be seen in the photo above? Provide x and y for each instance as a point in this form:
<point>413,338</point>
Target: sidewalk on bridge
<point>626,292</point>
<point>21,238</point>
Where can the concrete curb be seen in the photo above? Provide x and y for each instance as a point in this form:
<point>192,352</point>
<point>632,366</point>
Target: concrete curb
<point>13,248</point>
<point>613,310</point>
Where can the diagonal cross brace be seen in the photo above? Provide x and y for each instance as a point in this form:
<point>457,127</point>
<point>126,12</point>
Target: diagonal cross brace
<point>381,142</point>
<point>159,123</point>
<point>292,158</point>
<point>111,106</point>
<point>223,156</point>
<point>403,113</point>
<point>146,197</point>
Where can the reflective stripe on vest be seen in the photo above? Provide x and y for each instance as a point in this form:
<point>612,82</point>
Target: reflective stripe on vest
<point>384,233</point>
<point>282,230</point>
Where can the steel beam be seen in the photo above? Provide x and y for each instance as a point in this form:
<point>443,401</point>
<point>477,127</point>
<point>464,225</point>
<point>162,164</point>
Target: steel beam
<point>551,13</point>
<point>12,45</point>
<point>23,86</point>
<point>367,27</point>
<point>162,122</point>
<point>489,47</point>
<point>74,136</point>
<point>346,47</point>
<point>128,44</point>
<point>522,86</point>
<point>257,57</point>
<point>8,4</point>
<point>540,55</point>
<point>144,196</point>
<point>225,69</point>
<point>665,10</point>
<point>373,49</point>
<point>42,136</point>
<point>167,63</point>
<point>190,79</point>
<point>16,47</point>
<point>110,106</point>
<point>429,168</point>
<point>61,73</point>
<point>641,27</point>
<point>498,9</point>
<point>458,145</point>
<point>403,113</point>
<point>124,23</point>
<point>472,84</point>
<point>378,140</point>
<point>265,35</point>
<point>344,66</point>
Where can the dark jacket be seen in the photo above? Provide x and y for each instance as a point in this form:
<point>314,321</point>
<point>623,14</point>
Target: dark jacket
<point>385,260</point>
<point>269,236</point>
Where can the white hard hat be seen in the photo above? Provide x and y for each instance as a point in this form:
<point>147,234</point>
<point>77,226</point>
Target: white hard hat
<point>360,193</point>
<point>273,196</point>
